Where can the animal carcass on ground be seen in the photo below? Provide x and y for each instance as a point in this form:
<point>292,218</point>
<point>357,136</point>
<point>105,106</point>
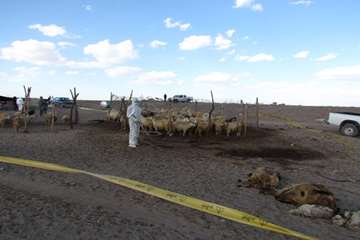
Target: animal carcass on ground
<point>305,193</point>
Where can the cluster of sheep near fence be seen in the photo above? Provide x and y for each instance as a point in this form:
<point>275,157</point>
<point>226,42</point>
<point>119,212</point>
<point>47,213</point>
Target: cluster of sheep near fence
<point>185,122</point>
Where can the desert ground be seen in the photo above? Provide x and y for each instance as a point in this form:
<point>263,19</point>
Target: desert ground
<point>38,204</point>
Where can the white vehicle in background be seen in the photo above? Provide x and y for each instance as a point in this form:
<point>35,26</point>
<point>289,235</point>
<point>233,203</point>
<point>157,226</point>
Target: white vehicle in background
<point>181,99</point>
<point>348,123</point>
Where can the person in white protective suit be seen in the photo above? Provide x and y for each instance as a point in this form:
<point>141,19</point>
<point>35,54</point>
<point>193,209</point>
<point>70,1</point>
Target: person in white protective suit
<point>20,104</point>
<point>134,116</point>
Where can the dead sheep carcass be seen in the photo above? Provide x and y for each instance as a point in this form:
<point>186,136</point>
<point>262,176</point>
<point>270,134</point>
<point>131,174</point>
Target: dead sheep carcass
<point>306,193</point>
<point>263,178</point>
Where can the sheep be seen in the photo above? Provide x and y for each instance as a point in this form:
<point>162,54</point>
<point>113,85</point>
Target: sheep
<point>184,124</point>
<point>18,121</point>
<point>114,115</point>
<point>232,128</point>
<point>147,123</point>
<point>65,118</point>
<point>48,118</point>
<point>219,124</point>
<point>162,123</point>
<point>4,118</point>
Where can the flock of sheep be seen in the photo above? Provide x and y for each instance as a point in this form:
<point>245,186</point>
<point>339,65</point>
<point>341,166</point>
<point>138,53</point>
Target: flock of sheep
<point>184,122</point>
<point>17,120</point>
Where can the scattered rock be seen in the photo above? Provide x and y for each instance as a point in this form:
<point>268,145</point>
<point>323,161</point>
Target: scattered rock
<point>339,220</point>
<point>354,221</point>
<point>313,211</point>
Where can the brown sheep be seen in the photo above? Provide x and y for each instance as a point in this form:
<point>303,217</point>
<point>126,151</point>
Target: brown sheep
<point>184,125</point>
<point>18,121</point>
<point>232,128</point>
<point>264,179</point>
<point>147,123</point>
<point>305,193</point>
<point>219,124</point>
<point>4,118</point>
<point>48,118</point>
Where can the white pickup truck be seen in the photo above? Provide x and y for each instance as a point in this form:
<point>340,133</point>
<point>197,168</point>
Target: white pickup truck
<point>348,123</point>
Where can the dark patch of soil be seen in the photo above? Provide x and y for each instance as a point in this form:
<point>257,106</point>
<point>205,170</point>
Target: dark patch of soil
<point>279,154</point>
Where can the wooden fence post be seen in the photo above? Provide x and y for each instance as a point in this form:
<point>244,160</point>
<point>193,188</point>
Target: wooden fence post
<point>210,113</point>
<point>26,107</point>
<point>74,96</point>
<point>245,119</point>
<point>257,113</point>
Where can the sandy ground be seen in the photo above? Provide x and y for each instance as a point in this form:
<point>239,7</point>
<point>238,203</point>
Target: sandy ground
<point>36,204</point>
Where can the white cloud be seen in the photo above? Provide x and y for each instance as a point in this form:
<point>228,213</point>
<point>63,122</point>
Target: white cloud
<point>222,59</point>
<point>220,78</point>
<point>302,2</point>
<point>214,77</point>
<point>32,51</point>
<point>230,33</point>
<point>222,43</point>
<point>88,7</point>
<point>66,44</point>
<point>261,57</point>
<point>51,30</point>
<point>243,3</point>
<point>23,72</point>
<point>327,57</point>
<point>344,72</point>
<point>157,77</point>
<point>195,42</point>
<point>302,54</point>
<point>157,44</point>
<point>231,52</point>
<point>122,71</point>
<point>106,53</point>
<point>72,72</point>
<point>257,7</point>
<point>169,23</point>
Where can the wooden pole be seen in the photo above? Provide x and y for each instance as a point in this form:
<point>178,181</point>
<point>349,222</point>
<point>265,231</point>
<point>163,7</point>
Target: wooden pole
<point>74,96</point>
<point>257,113</point>
<point>245,119</point>
<point>242,123</point>
<point>25,110</point>
<point>53,117</point>
<point>211,111</point>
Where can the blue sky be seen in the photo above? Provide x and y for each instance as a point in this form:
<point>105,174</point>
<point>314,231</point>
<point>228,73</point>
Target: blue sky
<point>292,51</point>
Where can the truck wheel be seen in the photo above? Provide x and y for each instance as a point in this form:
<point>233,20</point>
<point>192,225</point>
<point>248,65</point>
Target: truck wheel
<point>349,129</point>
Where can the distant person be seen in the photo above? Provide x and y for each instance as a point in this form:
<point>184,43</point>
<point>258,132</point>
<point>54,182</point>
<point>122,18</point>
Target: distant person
<point>20,104</point>
<point>41,106</point>
<point>134,116</point>
<point>165,97</point>
<point>14,104</point>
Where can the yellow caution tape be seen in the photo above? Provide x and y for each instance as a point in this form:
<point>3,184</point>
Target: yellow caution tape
<point>203,206</point>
